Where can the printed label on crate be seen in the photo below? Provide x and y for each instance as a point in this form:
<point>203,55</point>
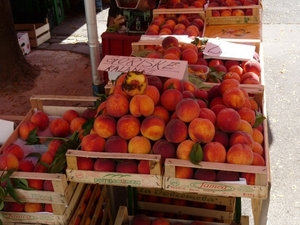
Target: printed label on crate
<point>220,49</point>
<point>159,67</point>
<point>28,217</point>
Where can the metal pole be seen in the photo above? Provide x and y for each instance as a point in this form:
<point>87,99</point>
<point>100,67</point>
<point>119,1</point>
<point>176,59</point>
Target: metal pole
<point>93,42</point>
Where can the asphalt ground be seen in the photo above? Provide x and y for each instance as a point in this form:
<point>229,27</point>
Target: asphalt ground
<point>281,32</point>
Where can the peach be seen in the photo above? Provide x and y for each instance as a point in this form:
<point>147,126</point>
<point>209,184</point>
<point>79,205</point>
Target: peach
<point>143,167</point>
<point>258,136</point>
<point>213,92</point>
<point>14,149</point>
<point>153,93</point>
<point>252,66</point>
<point>48,186</point>
<point>173,83</point>
<point>229,63</point>
<point>251,81</point>
<point>153,127</point>
<point>89,113</point>
<point>69,115</point>
<point>127,166</point>
<point>141,219</point>
<point>41,119</point>
<point>228,120</point>
<point>226,84</point>
<point>240,154</point>
<point>258,160</point>
<point>26,128</point>
<point>227,176</point>
<point>214,152</point>
<point>246,127</point>
<point>232,75</point>
<point>189,86</point>
<point>189,45</point>
<point>250,178</point>
<point>226,12</point>
<point>128,127</point>
<point>54,145</point>
<point>154,55</point>
<point>200,22</point>
<point>234,98</point>
<point>189,55</point>
<point>13,207</point>
<point>47,158</point>
<point>169,41</point>
<point>201,130</point>
<point>216,101</point>
<point>174,50</point>
<point>105,126</point>
<point>217,108</point>
<point>182,25</point>
<point>170,98</point>
<point>237,12</point>
<point>105,165</point>
<point>241,137</point>
<point>237,69</point>
<point>187,109</point>
<point>59,127</point>
<point>39,168</point>
<point>171,56</point>
<point>215,13</point>
<point>117,105</point>
<point>26,165</point>
<point>176,131</point>
<point>249,75</point>
<point>116,144</point>
<point>205,174</point>
<point>188,94</point>
<point>161,112</point>
<point>139,145</point>
<point>247,114</point>
<point>184,149</point>
<point>214,62</point>
<point>141,105</point>
<point>35,184</point>
<point>206,113</point>
<point>222,138</point>
<point>33,207</point>
<point>85,163</point>
<point>9,161</point>
<point>160,221</point>
<point>48,208</point>
<point>92,143</point>
<point>76,124</point>
<point>258,148</point>
<point>164,148</point>
<point>155,81</point>
<point>179,31</point>
<point>184,172</point>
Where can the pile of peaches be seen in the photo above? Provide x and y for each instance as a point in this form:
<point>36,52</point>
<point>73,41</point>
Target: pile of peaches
<point>173,24</point>
<point>179,4</point>
<point>28,207</point>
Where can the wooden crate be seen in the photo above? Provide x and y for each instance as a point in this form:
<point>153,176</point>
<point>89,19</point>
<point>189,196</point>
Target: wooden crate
<point>38,33</point>
<point>93,206</point>
<point>123,218</point>
<point>154,179</point>
<point>45,218</point>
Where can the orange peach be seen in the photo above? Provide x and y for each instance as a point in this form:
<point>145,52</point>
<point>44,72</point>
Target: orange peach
<point>33,207</point>
<point>189,86</point>
<point>92,143</point>
<point>176,131</point>
<point>173,83</point>
<point>105,126</point>
<point>232,75</point>
<point>161,112</point>
<point>153,93</point>
<point>59,127</point>
<point>85,163</point>
<point>128,126</point>
<point>35,184</point>
<point>105,165</point>
<point>205,174</point>
<point>241,137</point>
<point>251,81</point>
<point>160,221</point>
<point>47,158</point>
<point>54,145</point>
<point>187,109</point>
<point>229,63</point>
<point>258,148</point>
<point>226,12</point>
<point>247,114</point>
<point>237,12</point>
<point>214,152</point>
<point>25,128</point>
<point>41,119</point>
<point>216,101</point>
<point>246,127</point>
<point>184,149</point>
<point>237,69</point>
<point>69,115</point>
<point>76,124</point>
<point>206,113</point>
<point>184,172</point>
<point>154,55</point>
<point>117,105</point>
<point>222,138</point>
<point>249,75</point>
<point>189,45</point>
<point>116,144</point>
<point>9,161</point>
<point>258,160</point>
<point>250,178</point>
<point>14,149</point>
<point>252,65</point>
<point>127,166</point>
<point>226,84</point>
<point>190,55</point>
<point>228,120</point>
<point>174,50</point>
<point>89,113</point>
<point>171,56</point>
<point>179,31</point>
<point>201,130</point>
<point>164,148</point>
<point>139,145</point>
<point>152,127</point>
<point>258,136</point>
<point>141,105</point>
<point>170,98</point>
<point>143,167</point>
<point>26,165</point>
<point>217,108</point>
<point>169,41</point>
<point>234,98</point>
<point>240,154</point>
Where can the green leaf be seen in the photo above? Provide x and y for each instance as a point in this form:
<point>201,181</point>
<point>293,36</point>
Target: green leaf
<point>88,126</point>
<point>1,207</point>
<point>2,194</point>
<point>33,138</point>
<point>22,184</point>
<point>5,176</point>
<point>259,119</point>
<point>11,191</point>
<point>196,154</point>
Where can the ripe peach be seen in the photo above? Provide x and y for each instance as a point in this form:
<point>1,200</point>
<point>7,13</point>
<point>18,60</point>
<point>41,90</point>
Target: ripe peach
<point>250,178</point>
<point>155,81</point>
<point>164,148</point>
<point>222,138</point>
<point>13,207</point>
<point>54,145</point>
<point>178,31</point>
<point>184,149</point>
<point>228,120</point>
<point>202,104</point>
<point>26,165</point>
<point>173,83</point>
<point>9,161</point>
<point>47,158</point>
<point>215,13</point>
<point>141,105</point>
<point>41,119</point>
<point>258,136</point>
<point>247,114</point>
<point>240,154</point>
<point>170,98</point>
<point>85,163</point>
<point>246,127</point>
<point>140,219</point>
<point>234,98</point>
<point>184,172</point>
<point>33,207</point>
<point>143,167</point>
<point>206,113</point>
<point>249,75</point>
<point>258,160</point>
<point>14,149</point>
<point>153,127</point>
<point>161,112</point>
<point>189,86</point>
<point>105,126</point>
<point>252,66</point>
<point>117,105</point>
<point>227,176</point>
<point>89,113</point>
<point>229,63</point>
<point>201,130</point>
<point>154,55</point>
<point>216,101</point>
<point>237,12</point>
<point>237,69</point>
<point>200,22</point>
<point>232,75</point>
<point>169,41</point>
<point>258,148</point>
<point>92,143</point>
<point>187,109</point>
<point>217,108</point>
<point>139,145</point>
<point>188,94</point>
<point>36,184</point>
<point>214,62</point>
<point>226,84</point>
<point>189,45</point>
<point>59,127</point>
<point>128,126</point>
<point>153,93</point>
<point>116,144</point>
<point>76,124</point>
<point>241,137</point>
<point>25,128</point>
<point>105,165</point>
<point>69,115</point>
<point>176,131</point>
<point>39,168</point>
<point>171,56</point>
<point>173,50</point>
<point>214,152</point>
<point>48,186</point>
<point>225,12</point>
<point>48,208</point>
<point>205,174</point>
<point>190,55</point>
<point>160,221</point>
<point>127,166</point>
<point>251,81</point>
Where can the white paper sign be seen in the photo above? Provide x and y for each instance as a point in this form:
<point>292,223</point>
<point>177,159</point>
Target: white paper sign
<point>219,49</point>
<point>6,129</point>
<point>158,67</point>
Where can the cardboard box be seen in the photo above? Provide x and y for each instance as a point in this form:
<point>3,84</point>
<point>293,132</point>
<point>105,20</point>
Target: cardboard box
<point>24,43</point>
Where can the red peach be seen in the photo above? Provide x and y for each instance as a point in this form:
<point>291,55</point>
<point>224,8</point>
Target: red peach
<point>240,154</point>
<point>85,163</point>
<point>227,176</point>
<point>128,127</point>
<point>48,186</point>
<point>184,172</point>
<point>153,127</point>
<point>222,138</point>
<point>117,105</point>
<point>234,98</point>
<point>25,128</point>
<point>201,130</point>
<point>116,144</point>
<point>13,207</point>
<point>205,174</point>
<point>35,184</point>
<point>206,113</point>
<point>143,167</point>
<point>105,126</point>
<point>241,137</point>
<point>176,131</point>
<point>190,55</point>
<point>173,83</point>
<point>92,143</point>
<point>187,109</point>
<point>14,149</point>
<point>228,120</point>
<point>26,165</point>
<point>164,148</point>
<point>140,219</point>
<point>41,119</point>
<point>169,41</point>
<point>9,161</point>
<point>127,166</point>
<point>169,99</point>
<point>76,124</point>
<point>69,115</point>
<point>214,152</point>
<point>105,165</point>
<point>59,127</point>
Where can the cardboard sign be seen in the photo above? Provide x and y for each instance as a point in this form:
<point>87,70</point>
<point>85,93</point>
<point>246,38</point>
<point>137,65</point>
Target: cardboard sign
<point>6,129</point>
<point>219,49</point>
<point>158,67</point>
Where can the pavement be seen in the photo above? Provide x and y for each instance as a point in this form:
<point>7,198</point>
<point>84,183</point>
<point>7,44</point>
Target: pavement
<point>281,31</point>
